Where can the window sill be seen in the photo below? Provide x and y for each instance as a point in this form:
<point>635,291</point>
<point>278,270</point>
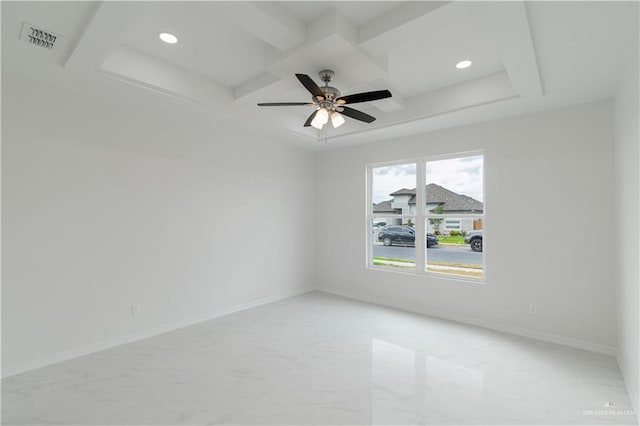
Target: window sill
<point>414,272</point>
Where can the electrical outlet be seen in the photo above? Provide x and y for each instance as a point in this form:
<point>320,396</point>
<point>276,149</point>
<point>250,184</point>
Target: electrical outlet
<point>532,309</point>
<point>135,310</point>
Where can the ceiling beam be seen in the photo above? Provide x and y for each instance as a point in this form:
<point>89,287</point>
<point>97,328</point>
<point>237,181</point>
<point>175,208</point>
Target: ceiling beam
<point>331,42</point>
<point>478,91</point>
<point>512,33</point>
<point>256,85</point>
<point>269,21</point>
<point>332,23</point>
<point>143,70</point>
<point>102,32</point>
<point>380,34</point>
<point>431,106</point>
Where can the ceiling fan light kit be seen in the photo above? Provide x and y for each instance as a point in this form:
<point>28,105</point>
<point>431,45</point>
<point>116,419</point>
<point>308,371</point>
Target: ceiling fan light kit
<point>329,102</point>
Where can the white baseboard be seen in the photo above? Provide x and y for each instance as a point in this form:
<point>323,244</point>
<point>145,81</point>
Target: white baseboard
<point>22,367</point>
<point>633,396</point>
<point>523,332</point>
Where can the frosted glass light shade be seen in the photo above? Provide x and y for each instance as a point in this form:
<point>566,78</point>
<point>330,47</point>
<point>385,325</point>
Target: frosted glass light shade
<point>337,119</point>
<point>317,123</point>
<point>322,116</point>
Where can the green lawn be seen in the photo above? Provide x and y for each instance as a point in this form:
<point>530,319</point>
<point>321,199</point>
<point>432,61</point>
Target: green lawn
<point>451,240</point>
<point>476,270</point>
<point>392,259</point>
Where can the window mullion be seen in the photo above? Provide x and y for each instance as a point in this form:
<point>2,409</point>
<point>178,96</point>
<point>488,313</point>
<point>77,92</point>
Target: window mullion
<point>420,241</point>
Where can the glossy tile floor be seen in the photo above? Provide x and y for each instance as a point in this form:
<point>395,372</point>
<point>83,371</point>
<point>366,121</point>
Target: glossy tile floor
<point>323,359</point>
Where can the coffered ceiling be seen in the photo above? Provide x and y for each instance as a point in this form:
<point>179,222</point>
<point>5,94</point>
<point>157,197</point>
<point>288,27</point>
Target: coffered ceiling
<point>232,55</point>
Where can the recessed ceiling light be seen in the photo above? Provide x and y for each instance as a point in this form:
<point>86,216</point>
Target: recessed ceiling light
<point>463,64</point>
<point>168,38</point>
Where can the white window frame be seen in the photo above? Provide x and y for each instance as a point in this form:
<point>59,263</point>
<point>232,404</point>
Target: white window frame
<point>421,216</point>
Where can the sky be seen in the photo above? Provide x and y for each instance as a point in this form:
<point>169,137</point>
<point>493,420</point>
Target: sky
<point>462,175</point>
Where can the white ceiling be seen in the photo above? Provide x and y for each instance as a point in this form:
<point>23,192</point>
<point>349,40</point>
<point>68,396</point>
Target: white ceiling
<point>230,55</point>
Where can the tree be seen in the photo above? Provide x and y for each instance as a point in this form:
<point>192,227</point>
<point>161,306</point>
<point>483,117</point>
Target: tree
<point>435,222</point>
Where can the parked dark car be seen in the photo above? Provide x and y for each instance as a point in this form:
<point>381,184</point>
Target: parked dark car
<point>474,239</point>
<point>402,235</point>
<point>432,240</point>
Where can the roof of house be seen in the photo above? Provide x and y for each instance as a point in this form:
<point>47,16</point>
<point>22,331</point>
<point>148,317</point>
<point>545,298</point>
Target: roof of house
<point>436,194</point>
<point>404,191</point>
<point>384,207</point>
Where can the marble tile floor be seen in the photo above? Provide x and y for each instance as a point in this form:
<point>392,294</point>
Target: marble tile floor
<point>324,359</point>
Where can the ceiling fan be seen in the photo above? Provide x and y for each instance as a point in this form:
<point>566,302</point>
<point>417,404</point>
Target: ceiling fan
<point>329,104</point>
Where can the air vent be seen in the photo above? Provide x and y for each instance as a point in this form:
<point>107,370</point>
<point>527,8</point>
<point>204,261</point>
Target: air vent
<point>38,37</point>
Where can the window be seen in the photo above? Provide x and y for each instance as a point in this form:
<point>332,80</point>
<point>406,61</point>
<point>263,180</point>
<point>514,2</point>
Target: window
<point>452,224</point>
<point>440,198</point>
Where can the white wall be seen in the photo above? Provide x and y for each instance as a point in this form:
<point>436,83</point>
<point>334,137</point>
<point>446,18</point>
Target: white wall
<point>159,203</point>
<point>626,217</point>
<point>538,169</point>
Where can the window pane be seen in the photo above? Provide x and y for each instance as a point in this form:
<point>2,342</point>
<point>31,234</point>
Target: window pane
<point>456,253</point>
<point>393,243</point>
<point>393,189</point>
<point>455,189</point>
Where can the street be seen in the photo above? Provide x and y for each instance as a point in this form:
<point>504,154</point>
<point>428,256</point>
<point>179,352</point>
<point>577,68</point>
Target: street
<point>439,253</point>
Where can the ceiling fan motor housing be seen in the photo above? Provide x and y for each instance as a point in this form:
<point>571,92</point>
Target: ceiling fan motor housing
<point>330,93</point>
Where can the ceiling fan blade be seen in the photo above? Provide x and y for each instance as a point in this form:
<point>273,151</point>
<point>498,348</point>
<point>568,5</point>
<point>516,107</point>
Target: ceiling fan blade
<point>310,85</point>
<point>310,119</point>
<point>284,103</point>
<point>363,97</point>
<point>358,115</point>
